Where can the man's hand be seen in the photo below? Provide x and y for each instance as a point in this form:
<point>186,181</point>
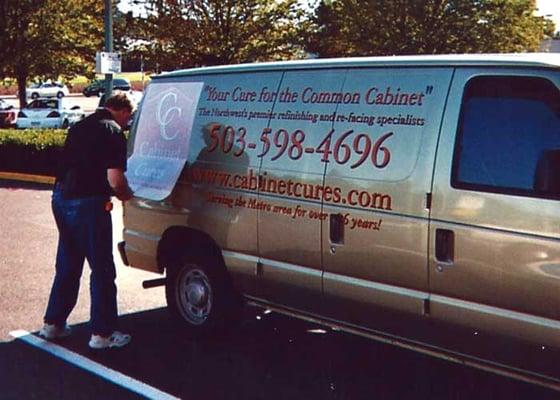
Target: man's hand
<point>119,184</point>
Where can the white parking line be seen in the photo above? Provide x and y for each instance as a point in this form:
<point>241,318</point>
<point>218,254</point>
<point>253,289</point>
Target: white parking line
<point>86,364</point>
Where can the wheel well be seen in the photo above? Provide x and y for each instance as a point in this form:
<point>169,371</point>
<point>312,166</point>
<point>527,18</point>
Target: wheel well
<point>180,240</point>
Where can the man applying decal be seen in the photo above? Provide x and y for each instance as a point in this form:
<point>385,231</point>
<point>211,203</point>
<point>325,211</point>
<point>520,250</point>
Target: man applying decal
<point>91,171</point>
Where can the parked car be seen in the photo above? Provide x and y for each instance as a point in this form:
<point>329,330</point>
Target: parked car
<point>97,87</point>
<point>49,113</point>
<point>4,105</point>
<point>46,89</point>
<point>8,114</point>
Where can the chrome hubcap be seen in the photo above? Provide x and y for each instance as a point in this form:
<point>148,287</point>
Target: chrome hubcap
<point>194,293</point>
<point>197,293</point>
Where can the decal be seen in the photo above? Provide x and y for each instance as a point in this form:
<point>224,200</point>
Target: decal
<point>363,128</point>
<point>163,135</point>
<point>252,182</point>
<point>231,201</point>
<point>292,145</point>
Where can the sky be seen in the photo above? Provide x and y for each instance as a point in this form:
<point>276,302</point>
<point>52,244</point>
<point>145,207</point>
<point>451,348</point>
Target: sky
<point>550,8</point>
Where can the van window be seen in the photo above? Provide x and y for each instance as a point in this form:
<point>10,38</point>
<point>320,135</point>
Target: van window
<point>398,111</point>
<point>507,126</point>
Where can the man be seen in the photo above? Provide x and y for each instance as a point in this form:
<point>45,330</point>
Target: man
<point>92,170</point>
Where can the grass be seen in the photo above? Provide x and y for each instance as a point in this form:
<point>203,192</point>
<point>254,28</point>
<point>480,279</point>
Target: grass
<point>131,76</point>
<point>38,139</point>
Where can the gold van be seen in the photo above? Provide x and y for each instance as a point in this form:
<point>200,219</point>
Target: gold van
<point>413,200</point>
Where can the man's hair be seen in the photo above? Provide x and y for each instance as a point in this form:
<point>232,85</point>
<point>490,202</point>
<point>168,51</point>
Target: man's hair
<point>118,102</point>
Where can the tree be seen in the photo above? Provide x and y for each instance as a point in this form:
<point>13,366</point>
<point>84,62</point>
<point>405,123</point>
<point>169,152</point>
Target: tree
<point>390,27</point>
<point>129,33</point>
<point>187,33</point>
<point>47,39</point>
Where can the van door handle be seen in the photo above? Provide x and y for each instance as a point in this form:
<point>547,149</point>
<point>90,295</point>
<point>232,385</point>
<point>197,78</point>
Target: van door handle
<point>445,246</point>
<point>336,228</point>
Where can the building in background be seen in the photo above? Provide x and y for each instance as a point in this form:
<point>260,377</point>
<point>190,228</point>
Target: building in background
<point>551,45</point>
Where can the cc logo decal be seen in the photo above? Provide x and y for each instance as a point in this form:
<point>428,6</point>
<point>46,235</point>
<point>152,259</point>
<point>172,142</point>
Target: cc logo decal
<point>167,113</point>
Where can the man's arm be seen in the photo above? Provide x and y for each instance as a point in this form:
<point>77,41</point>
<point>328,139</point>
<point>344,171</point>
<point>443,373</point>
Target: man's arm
<point>119,184</point>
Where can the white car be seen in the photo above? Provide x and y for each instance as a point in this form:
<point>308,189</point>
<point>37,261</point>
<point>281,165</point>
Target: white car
<point>4,105</point>
<point>49,113</point>
<point>46,90</point>
<point>8,114</point>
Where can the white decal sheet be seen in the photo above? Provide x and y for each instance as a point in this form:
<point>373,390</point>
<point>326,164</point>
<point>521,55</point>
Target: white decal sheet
<point>163,133</point>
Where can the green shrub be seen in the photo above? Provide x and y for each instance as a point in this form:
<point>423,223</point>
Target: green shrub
<point>34,151</point>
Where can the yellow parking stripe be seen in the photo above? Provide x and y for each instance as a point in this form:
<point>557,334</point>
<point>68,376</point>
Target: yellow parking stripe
<point>16,176</point>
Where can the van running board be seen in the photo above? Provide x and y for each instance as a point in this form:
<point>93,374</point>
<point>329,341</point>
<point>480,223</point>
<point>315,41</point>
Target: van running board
<point>458,358</point>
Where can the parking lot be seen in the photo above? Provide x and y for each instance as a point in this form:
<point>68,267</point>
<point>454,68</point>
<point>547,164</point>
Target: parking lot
<point>267,356</point>
<point>88,104</point>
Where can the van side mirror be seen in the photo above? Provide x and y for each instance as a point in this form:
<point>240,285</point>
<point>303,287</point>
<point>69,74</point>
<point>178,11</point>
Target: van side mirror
<point>547,174</point>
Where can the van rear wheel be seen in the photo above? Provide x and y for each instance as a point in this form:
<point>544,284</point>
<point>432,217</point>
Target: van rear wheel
<point>197,294</point>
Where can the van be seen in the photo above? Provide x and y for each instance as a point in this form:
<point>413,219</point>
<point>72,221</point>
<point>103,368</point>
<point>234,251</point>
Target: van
<point>412,200</point>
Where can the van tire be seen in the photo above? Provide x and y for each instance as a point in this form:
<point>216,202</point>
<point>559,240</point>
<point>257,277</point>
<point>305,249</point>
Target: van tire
<point>197,294</point>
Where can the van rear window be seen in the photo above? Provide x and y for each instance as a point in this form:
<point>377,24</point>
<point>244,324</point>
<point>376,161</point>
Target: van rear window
<point>508,126</point>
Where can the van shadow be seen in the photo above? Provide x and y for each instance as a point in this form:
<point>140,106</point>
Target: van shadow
<point>269,356</point>
<point>29,373</point>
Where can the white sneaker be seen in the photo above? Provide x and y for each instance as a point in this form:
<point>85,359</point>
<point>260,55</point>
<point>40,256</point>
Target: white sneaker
<point>51,331</point>
<point>117,339</point>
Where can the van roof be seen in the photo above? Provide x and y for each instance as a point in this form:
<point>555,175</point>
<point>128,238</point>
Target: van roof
<point>533,60</point>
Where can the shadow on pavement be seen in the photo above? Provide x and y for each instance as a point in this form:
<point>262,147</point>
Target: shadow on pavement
<point>30,373</point>
<point>268,356</point>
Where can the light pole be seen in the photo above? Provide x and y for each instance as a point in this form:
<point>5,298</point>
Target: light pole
<point>142,70</point>
<point>108,44</point>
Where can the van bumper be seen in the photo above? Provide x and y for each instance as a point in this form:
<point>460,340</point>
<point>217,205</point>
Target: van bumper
<point>140,251</point>
<point>122,251</point>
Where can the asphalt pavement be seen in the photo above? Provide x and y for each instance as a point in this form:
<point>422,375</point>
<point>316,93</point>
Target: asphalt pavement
<point>267,356</point>
<point>28,248</point>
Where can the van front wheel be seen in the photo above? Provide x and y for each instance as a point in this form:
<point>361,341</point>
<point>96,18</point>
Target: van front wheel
<point>196,293</point>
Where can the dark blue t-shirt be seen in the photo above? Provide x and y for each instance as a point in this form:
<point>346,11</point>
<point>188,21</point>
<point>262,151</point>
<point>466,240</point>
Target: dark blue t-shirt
<point>92,146</point>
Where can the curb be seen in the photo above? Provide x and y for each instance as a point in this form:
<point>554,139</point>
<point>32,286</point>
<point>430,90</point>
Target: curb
<point>16,176</point>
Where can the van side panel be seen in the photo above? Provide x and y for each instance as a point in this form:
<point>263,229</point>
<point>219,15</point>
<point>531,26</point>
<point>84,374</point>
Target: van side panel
<point>505,273</point>
<point>383,204</point>
<point>292,171</point>
<point>221,168</point>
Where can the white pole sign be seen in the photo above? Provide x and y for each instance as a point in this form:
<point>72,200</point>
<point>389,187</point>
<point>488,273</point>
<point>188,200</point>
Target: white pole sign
<point>107,63</point>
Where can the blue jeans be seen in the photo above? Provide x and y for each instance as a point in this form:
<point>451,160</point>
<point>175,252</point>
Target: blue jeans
<point>85,232</point>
